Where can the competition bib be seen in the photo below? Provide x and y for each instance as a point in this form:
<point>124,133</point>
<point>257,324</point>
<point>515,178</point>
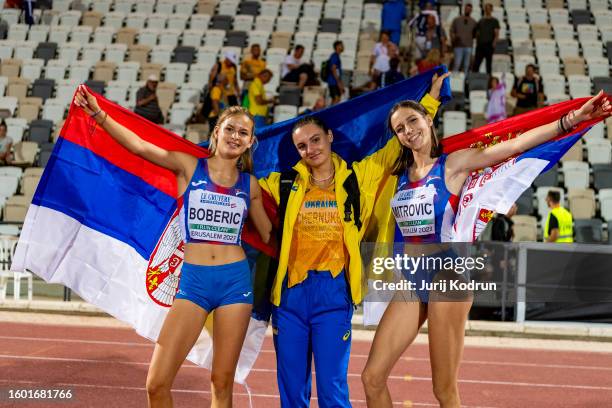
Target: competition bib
<point>414,211</point>
<point>215,217</point>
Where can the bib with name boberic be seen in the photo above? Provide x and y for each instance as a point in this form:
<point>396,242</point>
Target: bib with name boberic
<point>213,213</point>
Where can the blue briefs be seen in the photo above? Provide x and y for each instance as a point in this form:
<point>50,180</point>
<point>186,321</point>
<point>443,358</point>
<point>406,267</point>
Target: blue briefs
<point>211,287</point>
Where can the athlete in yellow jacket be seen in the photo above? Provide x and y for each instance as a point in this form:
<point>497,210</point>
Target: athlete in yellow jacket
<point>319,276</point>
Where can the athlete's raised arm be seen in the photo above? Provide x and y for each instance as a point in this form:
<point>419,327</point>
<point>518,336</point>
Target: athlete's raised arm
<point>177,162</point>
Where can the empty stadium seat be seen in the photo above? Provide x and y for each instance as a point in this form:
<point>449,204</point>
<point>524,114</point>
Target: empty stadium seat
<point>588,231</point>
<point>581,203</point>
<point>180,112</point>
<point>454,122</point>
<point>46,51</point>
<point>525,228</point>
<point>605,205</point>
<point>15,208</point>
<point>599,151</point>
<point>40,131</point>
<point>602,176</point>
<point>43,88</point>
<point>549,178</point>
<point>184,54</point>
<point>24,153</point>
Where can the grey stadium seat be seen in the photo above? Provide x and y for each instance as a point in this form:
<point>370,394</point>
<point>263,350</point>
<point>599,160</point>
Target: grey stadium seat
<point>548,179</point>
<point>588,231</point>
<point>236,39</point>
<point>581,17</point>
<point>602,176</point>
<point>40,131</point>
<point>184,54</point>
<point>96,86</point>
<point>477,81</point>
<point>45,51</point>
<point>525,203</point>
<point>221,22</point>
<point>331,25</point>
<point>250,8</point>
<point>290,96</point>
<point>43,88</point>
<point>604,83</point>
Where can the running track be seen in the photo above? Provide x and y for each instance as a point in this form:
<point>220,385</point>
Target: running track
<point>106,367</point>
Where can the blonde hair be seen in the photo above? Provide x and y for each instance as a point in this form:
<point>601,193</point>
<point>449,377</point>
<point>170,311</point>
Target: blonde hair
<point>245,162</point>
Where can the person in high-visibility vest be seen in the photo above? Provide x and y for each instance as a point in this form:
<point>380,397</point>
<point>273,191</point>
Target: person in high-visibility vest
<point>558,227</point>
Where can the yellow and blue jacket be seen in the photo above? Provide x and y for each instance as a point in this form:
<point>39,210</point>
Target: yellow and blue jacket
<point>371,173</point>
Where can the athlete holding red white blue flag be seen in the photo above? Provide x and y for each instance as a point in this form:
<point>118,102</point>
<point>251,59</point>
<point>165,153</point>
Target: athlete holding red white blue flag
<point>215,197</point>
<point>429,175</point>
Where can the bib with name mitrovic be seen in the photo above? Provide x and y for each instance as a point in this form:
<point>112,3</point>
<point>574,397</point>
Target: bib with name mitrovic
<point>424,210</point>
<point>212,213</point>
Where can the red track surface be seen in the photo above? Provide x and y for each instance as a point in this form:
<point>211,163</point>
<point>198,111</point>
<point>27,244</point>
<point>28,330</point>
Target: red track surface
<point>106,367</point>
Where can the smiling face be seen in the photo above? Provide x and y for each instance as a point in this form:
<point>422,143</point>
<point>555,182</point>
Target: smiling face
<point>233,136</point>
<point>313,144</point>
<point>412,128</point>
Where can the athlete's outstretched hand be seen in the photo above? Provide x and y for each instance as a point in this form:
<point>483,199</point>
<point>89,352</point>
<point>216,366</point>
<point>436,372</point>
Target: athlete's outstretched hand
<point>436,84</point>
<point>86,100</point>
<point>596,107</point>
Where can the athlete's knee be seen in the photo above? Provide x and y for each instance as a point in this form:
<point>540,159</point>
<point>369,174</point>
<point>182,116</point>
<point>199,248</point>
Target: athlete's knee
<point>222,383</point>
<point>157,385</point>
<point>446,392</point>
<point>373,381</point>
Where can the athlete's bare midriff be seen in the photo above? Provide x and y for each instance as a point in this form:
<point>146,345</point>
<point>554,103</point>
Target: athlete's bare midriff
<point>211,254</point>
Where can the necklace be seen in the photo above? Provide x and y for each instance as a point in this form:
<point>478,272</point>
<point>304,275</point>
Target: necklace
<point>323,179</point>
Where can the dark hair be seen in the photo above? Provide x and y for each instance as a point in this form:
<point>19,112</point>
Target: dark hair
<point>387,32</point>
<point>406,158</point>
<point>3,123</point>
<point>298,47</point>
<point>337,43</point>
<point>255,45</point>
<point>266,71</point>
<point>309,120</point>
<point>554,196</point>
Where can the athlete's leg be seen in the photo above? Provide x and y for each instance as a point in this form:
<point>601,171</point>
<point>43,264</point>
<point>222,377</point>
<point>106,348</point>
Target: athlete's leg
<point>398,328</point>
<point>229,329</point>
<point>446,331</point>
<point>293,347</point>
<point>180,330</point>
<point>332,311</point>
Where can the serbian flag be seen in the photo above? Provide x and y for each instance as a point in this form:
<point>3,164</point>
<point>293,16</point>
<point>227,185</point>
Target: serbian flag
<point>495,189</point>
<point>103,222</point>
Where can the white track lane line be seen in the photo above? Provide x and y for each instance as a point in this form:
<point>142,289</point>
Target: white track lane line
<point>268,370</point>
<point>476,362</point>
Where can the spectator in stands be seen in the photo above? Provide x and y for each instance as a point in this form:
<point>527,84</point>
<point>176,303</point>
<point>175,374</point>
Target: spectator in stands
<point>496,106</point>
<point>228,67</point>
<point>147,104</point>
<point>6,143</point>
<point>486,33</point>
<point>251,67</point>
<point>434,37</point>
<point>462,39</point>
<point>502,226</point>
<point>384,50</point>
<point>392,76</point>
<point>296,69</point>
<point>432,60</point>
<point>258,103</point>
<point>385,79</point>
<point>334,75</point>
<point>3,29</point>
<point>559,224</point>
<point>528,91</point>
<point>218,100</point>
<point>393,14</point>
